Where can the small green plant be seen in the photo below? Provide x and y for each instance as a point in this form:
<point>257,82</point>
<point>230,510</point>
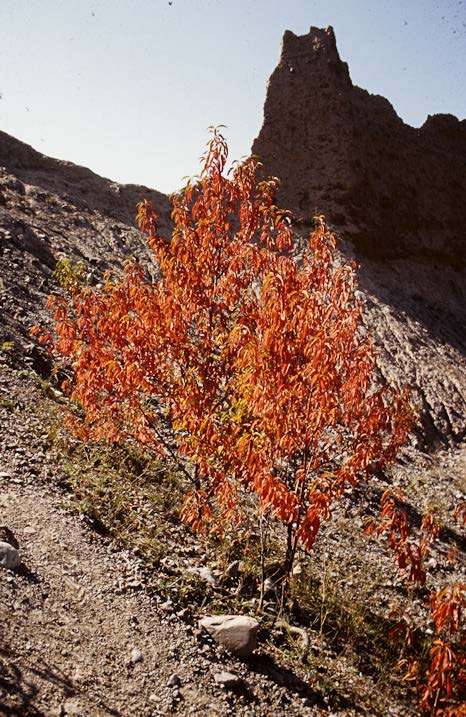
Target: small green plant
<point>70,276</point>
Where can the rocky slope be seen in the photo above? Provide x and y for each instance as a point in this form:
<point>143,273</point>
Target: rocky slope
<point>397,196</point>
<point>51,210</point>
<point>79,635</point>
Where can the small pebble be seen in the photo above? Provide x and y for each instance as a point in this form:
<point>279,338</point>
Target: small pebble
<point>227,679</point>
<point>136,656</point>
<point>173,680</point>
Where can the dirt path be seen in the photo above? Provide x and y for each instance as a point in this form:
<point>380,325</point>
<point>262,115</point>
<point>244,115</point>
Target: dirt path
<point>74,643</point>
<point>79,635</point>
<point>68,632</point>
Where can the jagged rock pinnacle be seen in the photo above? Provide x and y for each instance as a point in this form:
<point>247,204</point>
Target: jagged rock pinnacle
<point>393,189</point>
<point>318,42</point>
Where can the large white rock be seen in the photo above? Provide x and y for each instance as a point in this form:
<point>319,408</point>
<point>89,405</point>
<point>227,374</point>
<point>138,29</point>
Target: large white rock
<point>236,633</point>
<point>9,556</point>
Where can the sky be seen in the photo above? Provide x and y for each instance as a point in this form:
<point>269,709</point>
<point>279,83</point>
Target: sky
<point>129,88</point>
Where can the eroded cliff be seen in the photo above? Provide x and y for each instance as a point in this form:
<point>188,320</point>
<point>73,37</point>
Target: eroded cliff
<point>393,189</point>
<point>397,197</point>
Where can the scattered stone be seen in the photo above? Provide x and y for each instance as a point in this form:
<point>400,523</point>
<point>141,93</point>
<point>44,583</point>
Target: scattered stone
<point>233,570</point>
<point>7,536</point>
<point>72,707</point>
<point>227,679</point>
<point>270,586</point>
<point>174,681</point>
<point>9,556</point>
<point>207,575</point>
<point>184,613</point>
<point>136,655</point>
<point>236,633</point>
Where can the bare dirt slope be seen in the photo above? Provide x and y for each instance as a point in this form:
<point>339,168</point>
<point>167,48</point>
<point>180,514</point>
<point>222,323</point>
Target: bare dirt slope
<point>51,210</point>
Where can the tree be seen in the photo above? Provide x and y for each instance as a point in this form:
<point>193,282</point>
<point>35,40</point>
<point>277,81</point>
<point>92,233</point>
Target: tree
<point>245,360</point>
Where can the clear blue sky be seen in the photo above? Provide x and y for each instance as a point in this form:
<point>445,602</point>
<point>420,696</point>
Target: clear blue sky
<point>129,87</point>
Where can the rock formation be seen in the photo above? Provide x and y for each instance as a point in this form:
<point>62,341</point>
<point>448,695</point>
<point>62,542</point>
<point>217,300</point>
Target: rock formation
<point>397,197</point>
<point>395,190</point>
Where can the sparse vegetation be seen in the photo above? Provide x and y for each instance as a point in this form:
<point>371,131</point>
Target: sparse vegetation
<point>70,276</point>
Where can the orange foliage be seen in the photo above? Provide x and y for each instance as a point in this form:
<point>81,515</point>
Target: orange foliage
<point>249,363</point>
<point>409,554</point>
<point>441,677</point>
<point>444,690</point>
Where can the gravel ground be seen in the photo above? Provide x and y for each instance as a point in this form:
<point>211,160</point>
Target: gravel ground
<point>74,641</point>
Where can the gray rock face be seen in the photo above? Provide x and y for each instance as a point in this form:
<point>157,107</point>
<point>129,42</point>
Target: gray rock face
<point>50,210</point>
<point>236,633</point>
<point>28,172</point>
<point>9,556</point>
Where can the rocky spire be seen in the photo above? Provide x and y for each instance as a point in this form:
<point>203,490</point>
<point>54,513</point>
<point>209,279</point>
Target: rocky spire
<point>341,151</point>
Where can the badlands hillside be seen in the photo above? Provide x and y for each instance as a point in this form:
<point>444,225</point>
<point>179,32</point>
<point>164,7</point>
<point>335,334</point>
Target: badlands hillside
<point>101,617</point>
